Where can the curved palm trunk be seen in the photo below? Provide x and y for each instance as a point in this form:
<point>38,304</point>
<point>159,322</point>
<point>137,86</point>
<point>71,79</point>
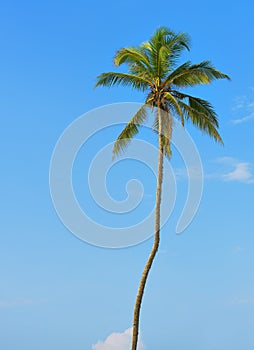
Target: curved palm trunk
<point>155,244</point>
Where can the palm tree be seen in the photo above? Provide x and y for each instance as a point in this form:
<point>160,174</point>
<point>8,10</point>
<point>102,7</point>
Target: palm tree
<point>152,68</point>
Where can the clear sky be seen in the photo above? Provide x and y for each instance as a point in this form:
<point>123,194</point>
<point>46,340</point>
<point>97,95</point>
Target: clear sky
<point>57,292</point>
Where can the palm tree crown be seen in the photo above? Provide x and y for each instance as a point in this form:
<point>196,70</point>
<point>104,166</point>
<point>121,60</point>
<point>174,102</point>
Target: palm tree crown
<point>152,68</point>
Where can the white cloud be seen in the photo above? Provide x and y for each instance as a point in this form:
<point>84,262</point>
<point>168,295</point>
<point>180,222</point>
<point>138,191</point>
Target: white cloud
<point>245,106</point>
<point>243,119</point>
<point>15,303</point>
<point>231,169</point>
<point>117,341</point>
<point>240,102</point>
<point>241,172</point>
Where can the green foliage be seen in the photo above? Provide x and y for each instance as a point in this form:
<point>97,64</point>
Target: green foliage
<point>111,78</point>
<point>130,130</point>
<point>152,67</point>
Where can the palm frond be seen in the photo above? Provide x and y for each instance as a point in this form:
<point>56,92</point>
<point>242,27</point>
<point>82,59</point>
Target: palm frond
<point>194,74</point>
<point>132,55</point>
<point>201,120</point>
<point>179,42</point>
<point>176,44</point>
<point>113,78</point>
<point>174,105</point>
<point>177,72</point>
<point>141,71</point>
<point>167,121</point>
<point>163,49</point>
<point>130,130</point>
<point>201,106</point>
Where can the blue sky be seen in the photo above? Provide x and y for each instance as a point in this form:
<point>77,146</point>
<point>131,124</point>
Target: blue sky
<point>57,292</point>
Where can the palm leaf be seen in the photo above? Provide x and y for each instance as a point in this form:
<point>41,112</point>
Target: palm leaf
<point>174,105</point>
<point>130,130</point>
<point>201,106</point>
<point>201,120</point>
<point>132,55</point>
<point>113,78</point>
<point>196,74</point>
<point>163,49</point>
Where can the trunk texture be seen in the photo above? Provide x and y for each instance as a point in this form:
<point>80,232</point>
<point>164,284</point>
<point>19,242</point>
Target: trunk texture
<point>155,244</point>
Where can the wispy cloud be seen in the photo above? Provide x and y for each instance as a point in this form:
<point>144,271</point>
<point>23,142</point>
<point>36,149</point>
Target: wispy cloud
<point>117,341</point>
<point>243,106</point>
<point>227,169</point>
<point>239,171</point>
<point>242,301</point>
<point>4,304</point>
<point>243,119</point>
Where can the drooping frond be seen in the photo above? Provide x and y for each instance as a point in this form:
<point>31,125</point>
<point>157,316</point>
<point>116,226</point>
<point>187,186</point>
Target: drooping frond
<point>201,120</point>
<point>166,126</point>
<point>174,105</point>
<point>199,105</point>
<point>204,107</point>
<point>167,121</point>
<point>130,130</point>
<point>113,78</point>
<point>194,74</point>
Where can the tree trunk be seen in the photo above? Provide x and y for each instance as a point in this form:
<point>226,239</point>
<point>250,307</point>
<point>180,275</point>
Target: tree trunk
<point>155,244</point>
